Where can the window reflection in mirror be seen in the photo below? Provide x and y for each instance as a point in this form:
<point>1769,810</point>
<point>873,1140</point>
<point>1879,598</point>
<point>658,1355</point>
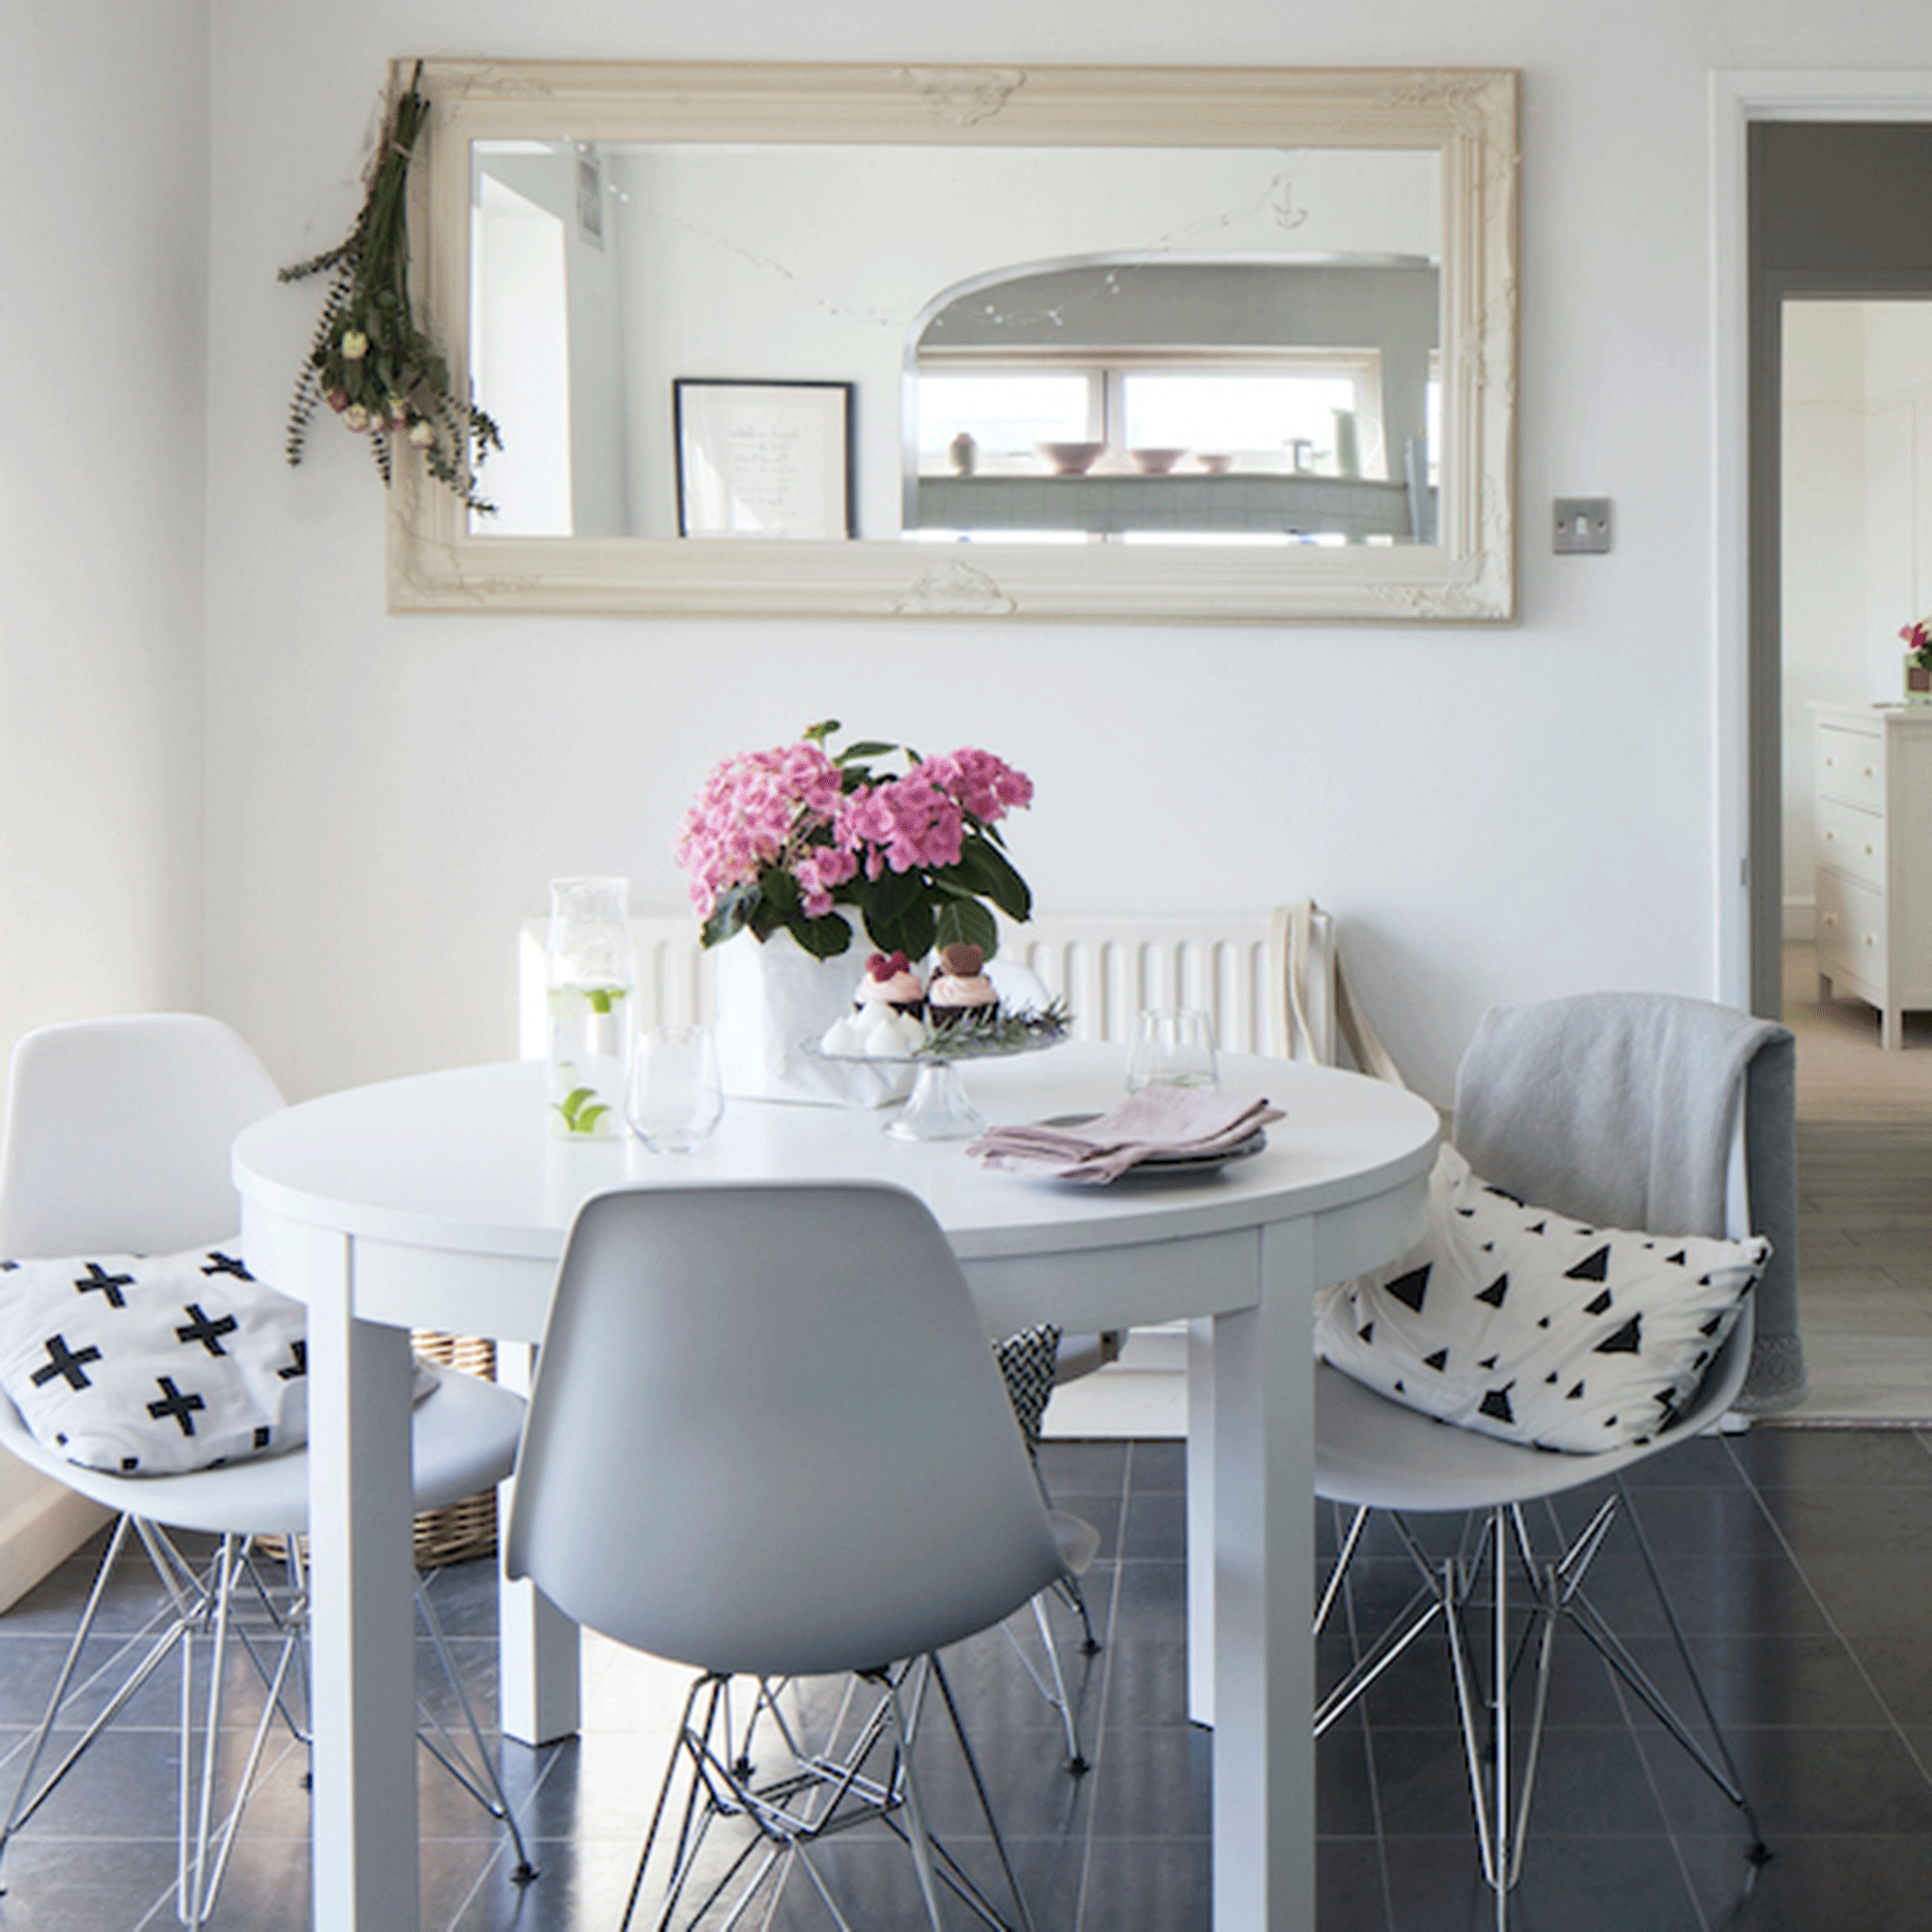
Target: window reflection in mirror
<point>1244,333</point>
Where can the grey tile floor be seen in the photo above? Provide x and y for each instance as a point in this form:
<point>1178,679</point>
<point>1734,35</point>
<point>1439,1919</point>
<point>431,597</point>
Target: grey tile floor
<point>1800,1560</point>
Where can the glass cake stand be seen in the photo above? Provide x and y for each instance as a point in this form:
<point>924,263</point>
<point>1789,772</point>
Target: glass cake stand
<point>937,1108</point>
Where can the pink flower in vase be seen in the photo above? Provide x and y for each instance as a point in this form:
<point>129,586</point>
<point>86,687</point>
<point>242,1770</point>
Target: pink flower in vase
<point>784,838</point>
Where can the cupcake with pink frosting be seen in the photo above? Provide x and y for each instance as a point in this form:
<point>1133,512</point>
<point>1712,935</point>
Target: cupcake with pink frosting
<point>960,991</point>
<point>889,981</point>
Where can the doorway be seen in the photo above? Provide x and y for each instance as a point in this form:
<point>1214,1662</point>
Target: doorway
<point>1839,341</point>
<point>1835,214</point>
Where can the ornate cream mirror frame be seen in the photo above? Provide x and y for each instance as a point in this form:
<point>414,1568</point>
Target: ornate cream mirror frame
<point>1466,116</point>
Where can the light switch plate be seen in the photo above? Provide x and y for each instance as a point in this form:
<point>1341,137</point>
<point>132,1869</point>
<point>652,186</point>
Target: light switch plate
<point>1583,526</point>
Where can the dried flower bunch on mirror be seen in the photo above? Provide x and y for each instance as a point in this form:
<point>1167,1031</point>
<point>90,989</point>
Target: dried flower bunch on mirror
<point>779,840</point>
<point>370,360</point>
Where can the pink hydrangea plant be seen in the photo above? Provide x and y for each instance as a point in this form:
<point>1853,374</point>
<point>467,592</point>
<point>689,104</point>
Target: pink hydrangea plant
<point>784,838</point>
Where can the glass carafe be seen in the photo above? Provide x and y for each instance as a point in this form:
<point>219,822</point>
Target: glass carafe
<point>589,978</point>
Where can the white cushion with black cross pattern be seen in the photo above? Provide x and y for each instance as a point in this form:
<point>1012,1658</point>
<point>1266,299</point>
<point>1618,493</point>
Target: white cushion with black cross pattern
<point>1526,1325</point>
<point>153,1364</point>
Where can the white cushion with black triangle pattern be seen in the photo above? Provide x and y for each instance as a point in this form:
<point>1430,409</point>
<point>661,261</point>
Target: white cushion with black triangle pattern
<point>1530,1325</point>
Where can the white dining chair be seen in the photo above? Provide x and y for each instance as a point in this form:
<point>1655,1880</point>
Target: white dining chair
<point>118,1133</point>
<point>834,1486</point>
<point>1375,1455</point>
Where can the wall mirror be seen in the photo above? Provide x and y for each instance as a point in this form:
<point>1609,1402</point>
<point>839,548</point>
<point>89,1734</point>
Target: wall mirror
<point>1176,344</point>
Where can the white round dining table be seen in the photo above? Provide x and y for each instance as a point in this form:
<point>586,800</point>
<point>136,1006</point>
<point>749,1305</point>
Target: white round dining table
<point>442,1200</point>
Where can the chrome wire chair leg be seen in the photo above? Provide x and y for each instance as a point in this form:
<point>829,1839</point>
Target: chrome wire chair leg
<point>201,1846</point>
<point>1055,1693</point>
<point>281,1618</point>
<point>1554,1590</point>
<point>22,1806</point>
<point>985,1804</point>
<point>1339,1575</point>
<point>203,1855</point>
<point>1500,1794</point>
<point>1432,1598</point>
<point>866,1772</point>
<point>699,1687</point>
<point>482,1781</point>
<point>917,1836</point>
<point>1726,1778</point>
<point>1070,1592</point>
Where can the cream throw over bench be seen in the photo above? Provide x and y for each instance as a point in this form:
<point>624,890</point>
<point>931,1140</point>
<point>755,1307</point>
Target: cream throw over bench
<point>1107,968</point>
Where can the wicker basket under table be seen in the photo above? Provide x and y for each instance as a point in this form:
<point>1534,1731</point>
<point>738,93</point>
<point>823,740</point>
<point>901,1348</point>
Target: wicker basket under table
<point>457,1531</point>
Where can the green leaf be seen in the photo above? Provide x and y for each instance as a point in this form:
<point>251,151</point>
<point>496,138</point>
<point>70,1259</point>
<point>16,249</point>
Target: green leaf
<point>581,1109</point>
<point>907,928</point>
<point>972,876</point>
<point>728,920</point>
<point>1003,885</point>
<point>602,998</point>
<point>824,938</point>
<point>892,894</point>
<point>865,747</point>
<point>822,731</point>
<point>966,921</point>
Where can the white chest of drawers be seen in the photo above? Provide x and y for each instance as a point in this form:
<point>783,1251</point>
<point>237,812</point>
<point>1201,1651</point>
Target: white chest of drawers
<point>1872,783</point>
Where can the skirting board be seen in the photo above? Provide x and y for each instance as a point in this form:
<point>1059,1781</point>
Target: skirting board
<point>41,1527</point>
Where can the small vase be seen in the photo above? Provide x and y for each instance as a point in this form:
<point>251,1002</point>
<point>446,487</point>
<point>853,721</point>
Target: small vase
<point>589,976</point>
<point>1917,681</point>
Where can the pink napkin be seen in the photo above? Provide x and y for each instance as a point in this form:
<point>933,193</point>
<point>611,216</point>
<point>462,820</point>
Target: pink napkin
<point>1156,1121</point>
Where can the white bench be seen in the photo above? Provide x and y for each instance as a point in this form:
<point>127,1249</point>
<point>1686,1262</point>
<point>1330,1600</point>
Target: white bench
<point>1106,968</point>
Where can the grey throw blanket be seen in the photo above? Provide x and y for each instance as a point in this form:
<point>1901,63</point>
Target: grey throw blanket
<point>1617,1108</point>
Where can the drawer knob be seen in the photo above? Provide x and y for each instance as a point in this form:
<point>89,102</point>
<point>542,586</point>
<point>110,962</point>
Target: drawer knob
<point>1866,773</point>
<point>1871,939</point>
<point>1868,851</point>
<point>1831,839</point>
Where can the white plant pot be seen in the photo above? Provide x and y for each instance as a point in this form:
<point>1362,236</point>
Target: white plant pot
<point>773,999</point>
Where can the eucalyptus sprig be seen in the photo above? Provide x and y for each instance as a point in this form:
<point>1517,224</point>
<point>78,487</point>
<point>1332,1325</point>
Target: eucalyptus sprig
<point>995,1032</point>
<point>369,359</point>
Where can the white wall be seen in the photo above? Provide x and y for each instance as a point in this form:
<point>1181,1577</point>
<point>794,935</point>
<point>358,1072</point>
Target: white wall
<point>1496,813</point>
<point>103,257</point>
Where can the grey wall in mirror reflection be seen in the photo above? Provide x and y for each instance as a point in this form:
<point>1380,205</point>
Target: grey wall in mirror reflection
<point>602,272</point>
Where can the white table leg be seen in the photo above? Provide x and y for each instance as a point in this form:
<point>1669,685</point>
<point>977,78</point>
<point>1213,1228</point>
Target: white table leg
<point>363,1615</point>
<point>1263,1598</point>
<point>1201,1520</point>
<point>538,1646</point>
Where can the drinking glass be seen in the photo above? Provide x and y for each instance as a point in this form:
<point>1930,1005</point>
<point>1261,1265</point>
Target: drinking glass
<point>1174,1046</point>
<point>675,1096</point>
